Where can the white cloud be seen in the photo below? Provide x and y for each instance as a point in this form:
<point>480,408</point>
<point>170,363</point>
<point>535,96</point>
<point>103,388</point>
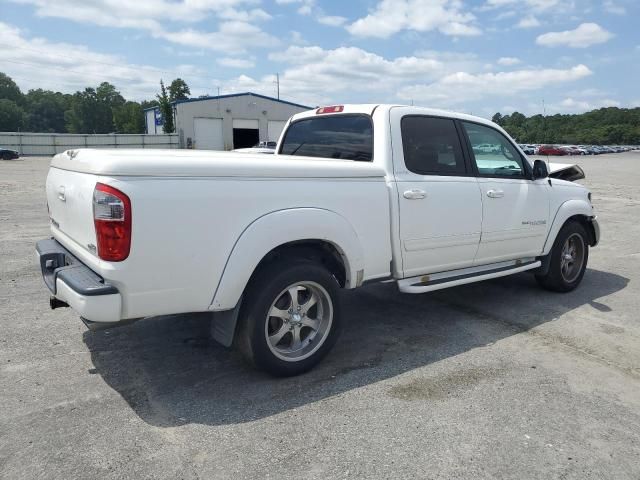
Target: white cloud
<point>611,7</point>
<point>236,31</point>
<point>236,62</point>
<point>232,37</point>
<point>392,16</point>
<point>136,13</point>
<point>573,105</point>
<point>529,21</point>
<point>583,36</point>
<point>316,75</point>
<point>38,63</point>
<point>332,20</point>
<point>509,61</point>
<point>536,5</point>
<point>463,87</point>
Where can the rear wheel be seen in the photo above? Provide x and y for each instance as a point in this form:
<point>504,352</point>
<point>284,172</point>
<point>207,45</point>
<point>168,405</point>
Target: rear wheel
<point>568,260</point>
<point>290,317</point>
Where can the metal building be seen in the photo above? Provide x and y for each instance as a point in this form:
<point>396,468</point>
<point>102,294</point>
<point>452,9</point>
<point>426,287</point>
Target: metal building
<point>226,122</point>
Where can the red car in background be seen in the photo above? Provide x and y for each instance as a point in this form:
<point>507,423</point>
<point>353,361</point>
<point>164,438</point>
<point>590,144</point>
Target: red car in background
<point>551,150</point>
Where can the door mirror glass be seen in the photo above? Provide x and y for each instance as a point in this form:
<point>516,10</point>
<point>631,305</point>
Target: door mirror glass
<point>540,169</point>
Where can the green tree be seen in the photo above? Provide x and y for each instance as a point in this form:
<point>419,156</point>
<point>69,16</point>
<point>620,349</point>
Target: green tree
<point>45,110</point>
<point>9,90</point>
<point>12,116</point>
<point>108,95</point>
<point>165,108</point>
<point>129,118</point>
<point>92,110</point>
<point>497,118</point>
<point>178,90</point>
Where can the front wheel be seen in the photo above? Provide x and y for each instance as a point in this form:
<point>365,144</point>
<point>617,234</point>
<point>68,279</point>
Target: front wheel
<point>568,260</point>
<point>290,317</point>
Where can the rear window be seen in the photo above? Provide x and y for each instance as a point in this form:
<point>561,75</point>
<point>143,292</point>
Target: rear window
<point>348,137</point>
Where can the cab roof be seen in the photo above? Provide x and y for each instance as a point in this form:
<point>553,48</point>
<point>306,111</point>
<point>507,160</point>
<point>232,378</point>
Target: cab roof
<point>369,108</point>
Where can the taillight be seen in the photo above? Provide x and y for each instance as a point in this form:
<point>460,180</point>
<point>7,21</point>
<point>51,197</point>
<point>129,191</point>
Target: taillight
<point>112,219</point>
<point>331,109</point>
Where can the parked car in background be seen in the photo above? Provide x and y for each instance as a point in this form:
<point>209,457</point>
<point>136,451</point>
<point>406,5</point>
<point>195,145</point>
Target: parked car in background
<point>8,154</point>
<point>266,145</point>
<point>528,149</point>
<point>572,150</point>
<point>551,150</point>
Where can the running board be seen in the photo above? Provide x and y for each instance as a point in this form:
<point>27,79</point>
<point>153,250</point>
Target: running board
<point>437,281</point>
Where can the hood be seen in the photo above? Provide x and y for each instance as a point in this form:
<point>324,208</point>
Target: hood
<point>566,171</point>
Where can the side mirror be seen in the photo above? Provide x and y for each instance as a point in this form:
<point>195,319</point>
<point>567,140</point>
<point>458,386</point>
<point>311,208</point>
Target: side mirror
<point>540,169</point>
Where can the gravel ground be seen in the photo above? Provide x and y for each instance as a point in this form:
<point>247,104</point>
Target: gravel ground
<point>494,380</point>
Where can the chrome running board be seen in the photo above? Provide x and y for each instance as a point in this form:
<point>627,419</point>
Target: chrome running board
<point>437,281</point>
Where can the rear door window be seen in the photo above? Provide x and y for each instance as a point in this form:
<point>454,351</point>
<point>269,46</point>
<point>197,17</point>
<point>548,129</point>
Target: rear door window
<point>431,146</point>
<point>348,137</point>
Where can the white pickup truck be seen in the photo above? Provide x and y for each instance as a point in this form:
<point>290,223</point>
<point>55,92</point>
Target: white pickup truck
<point>262,244</point>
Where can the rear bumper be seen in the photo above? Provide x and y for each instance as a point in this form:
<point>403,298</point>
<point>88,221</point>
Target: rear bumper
<point>72,282</point>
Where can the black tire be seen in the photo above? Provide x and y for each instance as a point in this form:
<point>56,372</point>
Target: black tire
<point>557,279</point>
<point>268,287</point>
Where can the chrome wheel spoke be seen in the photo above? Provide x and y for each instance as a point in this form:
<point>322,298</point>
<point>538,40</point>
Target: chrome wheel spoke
<point>312,323</point>
<point>293,293</point>
<point>275,337</point>
<point>306,306</point>
<point>277,312</point>
<point>296,342</point>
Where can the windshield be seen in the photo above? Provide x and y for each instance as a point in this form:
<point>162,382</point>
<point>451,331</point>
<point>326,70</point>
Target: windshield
<point>348,137</point>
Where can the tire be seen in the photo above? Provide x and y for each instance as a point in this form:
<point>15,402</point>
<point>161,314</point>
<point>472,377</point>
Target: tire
<point>302,297</point>
<point>564,274</point>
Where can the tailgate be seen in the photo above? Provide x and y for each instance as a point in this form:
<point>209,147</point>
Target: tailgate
<point>70,201</point>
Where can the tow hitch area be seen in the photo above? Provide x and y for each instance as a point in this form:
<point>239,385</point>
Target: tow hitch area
<point>56,303</point>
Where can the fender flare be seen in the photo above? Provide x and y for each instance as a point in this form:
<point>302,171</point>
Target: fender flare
<point>278,228</point>
<point>568,209</point>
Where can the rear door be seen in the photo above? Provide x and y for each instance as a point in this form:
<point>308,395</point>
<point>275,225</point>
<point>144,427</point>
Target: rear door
<point>515,208</point>
<point>439,199</point>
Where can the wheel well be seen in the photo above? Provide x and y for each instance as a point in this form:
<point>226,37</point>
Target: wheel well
<point>585,221</point>
<point>320,251</point>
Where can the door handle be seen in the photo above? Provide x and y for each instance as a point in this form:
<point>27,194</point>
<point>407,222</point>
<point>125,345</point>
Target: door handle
<point>414,194</point>
<point>61,193</point>
<point>495,193</point>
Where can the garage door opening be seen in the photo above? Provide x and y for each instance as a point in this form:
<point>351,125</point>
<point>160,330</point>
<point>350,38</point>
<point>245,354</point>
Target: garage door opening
<point>245,137</point>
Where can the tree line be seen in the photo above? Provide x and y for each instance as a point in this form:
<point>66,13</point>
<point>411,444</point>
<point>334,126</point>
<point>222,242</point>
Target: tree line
<point>104,110</point>
<point>93,110</point>
<point>605,126</point>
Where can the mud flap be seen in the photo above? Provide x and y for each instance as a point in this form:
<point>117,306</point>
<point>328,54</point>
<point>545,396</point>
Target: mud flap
<point>223,325</point>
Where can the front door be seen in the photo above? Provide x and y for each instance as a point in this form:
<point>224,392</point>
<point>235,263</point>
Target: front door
<point>515,209</point>
<point>440,209</point>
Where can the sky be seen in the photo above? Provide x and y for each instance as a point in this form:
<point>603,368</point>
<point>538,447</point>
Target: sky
<point>473,56</point>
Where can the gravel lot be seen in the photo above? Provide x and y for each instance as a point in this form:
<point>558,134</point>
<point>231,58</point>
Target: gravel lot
<point>494,380</point>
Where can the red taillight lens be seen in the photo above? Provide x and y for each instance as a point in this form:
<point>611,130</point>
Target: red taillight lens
<point>112,219</point>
